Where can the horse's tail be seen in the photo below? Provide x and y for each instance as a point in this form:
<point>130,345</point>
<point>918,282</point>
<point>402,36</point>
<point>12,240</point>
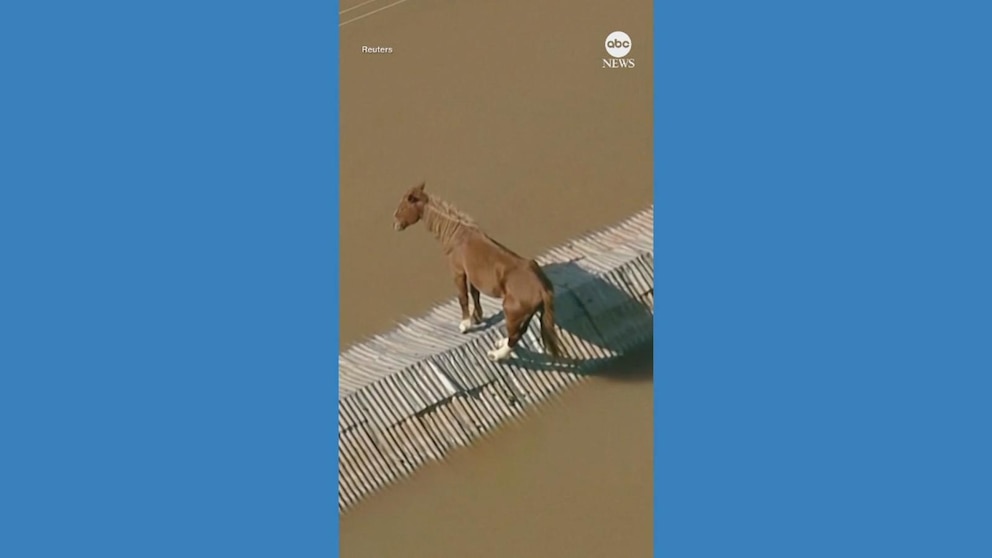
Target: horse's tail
<point>548,334</point>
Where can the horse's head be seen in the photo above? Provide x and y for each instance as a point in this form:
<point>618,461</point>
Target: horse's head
<point>411,207</point>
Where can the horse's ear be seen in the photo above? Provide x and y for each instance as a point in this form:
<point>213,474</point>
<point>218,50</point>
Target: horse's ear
<point>420,187</point>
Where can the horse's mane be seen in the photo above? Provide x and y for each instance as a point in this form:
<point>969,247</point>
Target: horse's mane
<point>447,210</point>
<point>446,221</point>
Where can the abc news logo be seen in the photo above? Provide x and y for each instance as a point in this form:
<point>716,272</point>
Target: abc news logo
<point>618,45</point>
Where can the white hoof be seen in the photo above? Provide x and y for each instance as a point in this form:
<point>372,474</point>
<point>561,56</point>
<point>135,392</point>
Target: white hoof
<point>464,325</point>
<point>500,354</point>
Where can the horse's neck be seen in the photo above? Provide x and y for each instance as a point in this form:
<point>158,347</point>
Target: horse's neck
<point>443,225</point>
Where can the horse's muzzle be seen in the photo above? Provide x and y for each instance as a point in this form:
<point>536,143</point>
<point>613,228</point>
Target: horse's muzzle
<point>397,226</point>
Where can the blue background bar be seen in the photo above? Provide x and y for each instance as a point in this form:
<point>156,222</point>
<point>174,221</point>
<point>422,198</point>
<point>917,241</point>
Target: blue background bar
<point>168,207</point>
<point>823,286</point>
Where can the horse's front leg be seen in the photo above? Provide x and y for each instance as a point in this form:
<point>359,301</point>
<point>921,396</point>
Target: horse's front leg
<point>461,284</point>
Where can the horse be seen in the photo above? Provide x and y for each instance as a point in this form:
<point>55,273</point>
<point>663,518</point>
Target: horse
<point>480,264</point>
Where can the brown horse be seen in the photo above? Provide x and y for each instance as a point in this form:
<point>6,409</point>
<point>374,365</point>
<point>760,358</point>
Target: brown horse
<point>479,263</point>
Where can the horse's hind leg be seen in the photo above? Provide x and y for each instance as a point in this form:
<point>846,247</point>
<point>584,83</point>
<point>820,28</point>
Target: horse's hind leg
<point>477,306</point>
<point>517,320</point>
<point>503,350</point>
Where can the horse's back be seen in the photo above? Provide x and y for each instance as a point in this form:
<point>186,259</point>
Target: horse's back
<point>490,265</point>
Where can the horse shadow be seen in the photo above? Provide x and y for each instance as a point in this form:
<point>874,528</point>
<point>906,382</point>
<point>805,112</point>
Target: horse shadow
<point>590,311</point>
